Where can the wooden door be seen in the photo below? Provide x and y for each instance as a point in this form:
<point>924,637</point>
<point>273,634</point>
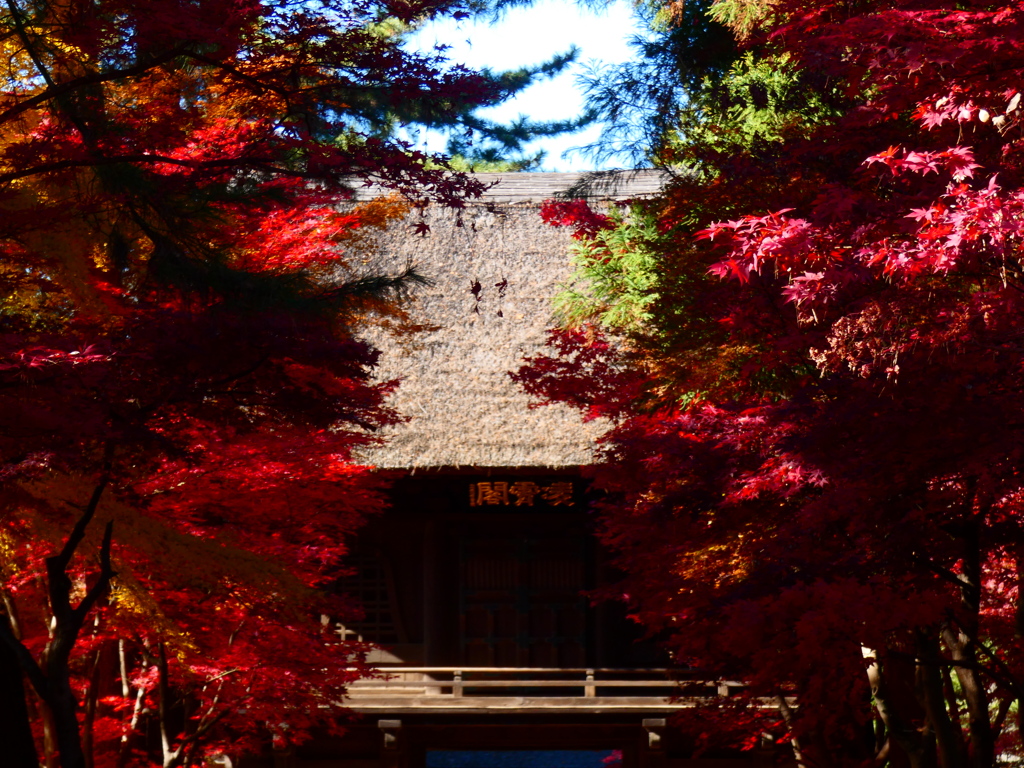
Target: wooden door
<point>521,602</point>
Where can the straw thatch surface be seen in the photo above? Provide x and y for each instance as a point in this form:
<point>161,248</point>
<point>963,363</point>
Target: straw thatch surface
<point>516,188</point>
<point>464,410</point>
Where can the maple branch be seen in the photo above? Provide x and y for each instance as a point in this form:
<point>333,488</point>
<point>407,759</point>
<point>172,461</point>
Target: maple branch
<point>78,532</point>
<point>950,663</point>
<point>189,742</point>
<point>105,576</point>
<point>883,752</point>
<point>283,93</point>
<point>12,614</point>
<point>25,658</point>
<point>19,27</point>
<point>55,91</point>
<point>928,679</point>
<point>1008,678</point>
<point>253,81</point>
<point>261,164</point>
<point>244,373</point>
<point>58,692</point>
<point>944,573</point>
<point>125,749</point>
<point>951,701</point>
<point>225,673</point>
<point>91,701</point>
<point>895,727</point>
<point>1004,709</point>
<point>787,716</point>
<point>162,686</point>
<point>205,725</point>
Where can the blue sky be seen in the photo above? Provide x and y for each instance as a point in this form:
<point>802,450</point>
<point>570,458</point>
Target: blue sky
<point>532,35</point>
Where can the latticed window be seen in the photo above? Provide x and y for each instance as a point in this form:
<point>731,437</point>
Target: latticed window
<point>372,585</point>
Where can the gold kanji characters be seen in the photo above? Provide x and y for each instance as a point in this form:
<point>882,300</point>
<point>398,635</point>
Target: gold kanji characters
<point>521,493</point>
<point>488,494</point>
<point>558,494</point>
<point>524,492</point>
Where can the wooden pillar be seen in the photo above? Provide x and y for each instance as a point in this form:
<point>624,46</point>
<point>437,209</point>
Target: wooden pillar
<point>431,599</point>
<point>652,748</point>
<point>284,758</point>
<point>392,744</point>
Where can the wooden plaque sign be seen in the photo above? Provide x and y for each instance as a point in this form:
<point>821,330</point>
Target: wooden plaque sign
<point>522,493</point>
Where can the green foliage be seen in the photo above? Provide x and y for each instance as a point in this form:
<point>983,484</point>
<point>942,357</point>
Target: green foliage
<point>760,100</point>
<point>645,280</point>
<point>828,482</point>
<point>692,91</point>
<point>694,101</point>
<point>482,141</point>
<point>616,274</point>
<point>639,101</point>
<point>492,162</point>
<point>741,16</point>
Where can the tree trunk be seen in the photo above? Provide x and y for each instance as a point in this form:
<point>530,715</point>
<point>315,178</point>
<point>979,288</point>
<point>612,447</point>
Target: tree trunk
<point>899,707</point>
<point>928,678</point>
<point>53,684</point>
<point>19,748</point>
<point>59,695</point>
<point>100,674</point>
<point>51,754</point>
<point>962,648</point>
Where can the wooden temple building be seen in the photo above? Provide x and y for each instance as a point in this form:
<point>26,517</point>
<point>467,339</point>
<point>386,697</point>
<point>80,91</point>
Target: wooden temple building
<point>475,583</point>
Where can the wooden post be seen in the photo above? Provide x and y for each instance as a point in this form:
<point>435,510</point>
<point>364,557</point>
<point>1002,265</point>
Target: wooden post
<point>654,756</point>
<point>432,642</point>
<point>391,748</point>
<point>457,684</point>
<point>590,690</point>
<point>389,729</point>
<point>654,726</point>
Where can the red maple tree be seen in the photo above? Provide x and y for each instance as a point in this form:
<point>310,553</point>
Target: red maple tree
<point>181,389</point>
<point>819,489</point>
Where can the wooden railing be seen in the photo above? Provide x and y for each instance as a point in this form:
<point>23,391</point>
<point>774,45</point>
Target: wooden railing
<point>418,688</point>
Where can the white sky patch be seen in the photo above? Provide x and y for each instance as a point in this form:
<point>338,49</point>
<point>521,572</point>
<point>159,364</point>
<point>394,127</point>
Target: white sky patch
<point>527,36</point>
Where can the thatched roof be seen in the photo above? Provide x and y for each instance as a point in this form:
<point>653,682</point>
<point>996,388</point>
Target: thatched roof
<point>464,410</point>
<point>515,188</point>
